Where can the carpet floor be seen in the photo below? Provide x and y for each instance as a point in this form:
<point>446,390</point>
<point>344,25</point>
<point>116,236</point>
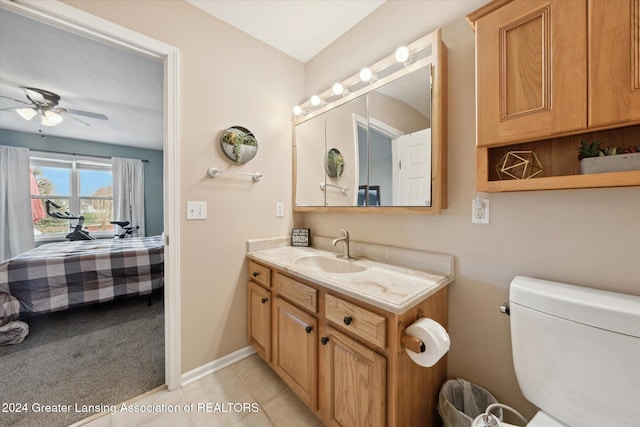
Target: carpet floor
<point>96,355</point>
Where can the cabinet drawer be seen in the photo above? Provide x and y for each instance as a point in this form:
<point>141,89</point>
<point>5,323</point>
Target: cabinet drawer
<point>303,295</point>
<point>260,274</point>
<point>359,321</point>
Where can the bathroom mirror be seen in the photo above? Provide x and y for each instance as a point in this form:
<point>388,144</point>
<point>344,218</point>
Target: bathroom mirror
<point>239,144</point>
<point>391,138</point>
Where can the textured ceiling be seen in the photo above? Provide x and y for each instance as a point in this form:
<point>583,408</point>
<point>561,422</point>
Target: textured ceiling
<point>300,29</point>
<point>88,76</point>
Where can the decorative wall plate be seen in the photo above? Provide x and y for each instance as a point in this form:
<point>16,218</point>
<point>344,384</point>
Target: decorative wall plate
<point>239,144</point>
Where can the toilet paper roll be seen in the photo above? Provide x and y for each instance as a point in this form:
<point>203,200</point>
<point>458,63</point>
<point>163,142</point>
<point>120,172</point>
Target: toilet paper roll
<point>434,337</point>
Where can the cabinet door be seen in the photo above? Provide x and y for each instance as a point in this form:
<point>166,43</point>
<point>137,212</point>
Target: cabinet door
<point>614,62</point>
<point>531,79</point>
<point>259,321</point>
<point>295,350</point>
<point>357,384</point>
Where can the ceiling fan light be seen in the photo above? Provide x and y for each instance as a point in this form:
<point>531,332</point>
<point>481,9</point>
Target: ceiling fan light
<point>27,113</point>
<point>51,118</point>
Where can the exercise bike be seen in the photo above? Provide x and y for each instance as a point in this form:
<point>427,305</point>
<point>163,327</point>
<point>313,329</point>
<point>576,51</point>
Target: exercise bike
<point>125,229</point>
<point>78,232</point>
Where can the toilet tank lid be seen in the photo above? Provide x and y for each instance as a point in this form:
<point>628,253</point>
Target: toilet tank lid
<point>612,311</point>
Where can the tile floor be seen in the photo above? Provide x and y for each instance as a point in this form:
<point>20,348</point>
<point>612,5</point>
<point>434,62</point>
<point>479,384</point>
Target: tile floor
<point>249,381</point>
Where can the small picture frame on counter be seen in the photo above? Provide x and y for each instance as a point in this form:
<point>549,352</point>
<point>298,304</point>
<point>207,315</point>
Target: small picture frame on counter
<point>300,237</point>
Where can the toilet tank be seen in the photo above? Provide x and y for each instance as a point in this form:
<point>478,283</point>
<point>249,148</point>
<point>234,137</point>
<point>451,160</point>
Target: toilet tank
<point>576,351</point>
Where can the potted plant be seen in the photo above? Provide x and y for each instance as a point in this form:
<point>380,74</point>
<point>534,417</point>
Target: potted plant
<point>595,159</point>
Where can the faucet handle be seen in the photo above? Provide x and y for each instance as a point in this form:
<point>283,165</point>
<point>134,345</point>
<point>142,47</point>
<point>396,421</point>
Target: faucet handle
<point>344,232</point>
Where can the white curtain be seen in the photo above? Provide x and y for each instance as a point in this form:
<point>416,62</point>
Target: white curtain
<point>128,192</point>
<point>16,226</point>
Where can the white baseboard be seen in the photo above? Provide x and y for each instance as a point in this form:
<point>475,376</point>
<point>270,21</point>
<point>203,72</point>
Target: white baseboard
<point>216,365</point>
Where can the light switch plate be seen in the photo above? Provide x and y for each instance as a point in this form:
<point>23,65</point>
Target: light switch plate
<point>279,209</point>
<point>196,210</point>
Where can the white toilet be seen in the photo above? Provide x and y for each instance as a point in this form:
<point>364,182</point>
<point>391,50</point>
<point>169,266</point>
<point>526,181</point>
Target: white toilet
<point>576,353</point>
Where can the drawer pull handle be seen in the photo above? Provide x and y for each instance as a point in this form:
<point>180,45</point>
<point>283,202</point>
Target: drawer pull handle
<point>255,274</point>
<point>309,329</point>
<point>347,320</point>
<point>264,300</point>
<point>324,340</point>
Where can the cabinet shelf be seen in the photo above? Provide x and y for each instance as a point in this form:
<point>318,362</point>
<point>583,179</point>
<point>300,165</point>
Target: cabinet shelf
<point>560,163</point>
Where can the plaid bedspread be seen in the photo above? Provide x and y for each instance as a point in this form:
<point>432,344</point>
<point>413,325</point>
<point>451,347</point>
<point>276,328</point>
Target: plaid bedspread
<point>57,276</point>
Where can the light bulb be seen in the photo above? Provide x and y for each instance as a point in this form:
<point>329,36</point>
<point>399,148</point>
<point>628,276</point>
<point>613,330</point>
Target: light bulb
<point>365,74</point>
<point>51,118</point>
<point>337,89</point>
<point>27,113</point>
<point>315,100</point>
<point>402,54</point>
<point>297,110</point>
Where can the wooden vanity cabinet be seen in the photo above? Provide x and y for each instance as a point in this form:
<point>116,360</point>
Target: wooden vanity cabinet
<point>342,356</point>
<point>549,74</point>
<point>259,309</point>
<point>259,322</point>
<point>295,350</point>
<point>354,367</point>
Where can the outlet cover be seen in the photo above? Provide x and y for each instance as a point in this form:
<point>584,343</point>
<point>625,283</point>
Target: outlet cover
<point>480,211</point>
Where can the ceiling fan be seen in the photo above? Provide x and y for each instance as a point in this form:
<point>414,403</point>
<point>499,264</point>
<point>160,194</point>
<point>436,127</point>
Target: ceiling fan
<point>45,103</point>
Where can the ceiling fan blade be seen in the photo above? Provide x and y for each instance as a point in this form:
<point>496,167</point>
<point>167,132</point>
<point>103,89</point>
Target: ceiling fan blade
<point>77,119</point>
<point>89,114</point>
<point>16,100</point>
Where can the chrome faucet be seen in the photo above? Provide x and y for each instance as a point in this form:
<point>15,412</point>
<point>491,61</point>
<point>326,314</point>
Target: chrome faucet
<point>345,240</point>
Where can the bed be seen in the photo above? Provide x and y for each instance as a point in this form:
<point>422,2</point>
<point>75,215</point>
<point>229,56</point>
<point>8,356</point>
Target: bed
<point>58,276</point>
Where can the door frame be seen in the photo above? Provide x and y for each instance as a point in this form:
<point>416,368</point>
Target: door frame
<point>84,24</point>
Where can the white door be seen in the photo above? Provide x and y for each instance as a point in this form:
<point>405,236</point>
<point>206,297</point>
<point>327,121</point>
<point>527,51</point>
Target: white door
<point>412,169</point>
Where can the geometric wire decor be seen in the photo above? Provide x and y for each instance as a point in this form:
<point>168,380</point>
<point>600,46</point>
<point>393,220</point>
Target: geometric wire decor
<point>519,165</point>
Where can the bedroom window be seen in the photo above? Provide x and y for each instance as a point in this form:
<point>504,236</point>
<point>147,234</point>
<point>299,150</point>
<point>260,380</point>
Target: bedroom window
<point>81,185</point>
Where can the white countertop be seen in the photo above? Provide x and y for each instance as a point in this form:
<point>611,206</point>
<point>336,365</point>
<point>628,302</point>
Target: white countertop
<point>391,288</point>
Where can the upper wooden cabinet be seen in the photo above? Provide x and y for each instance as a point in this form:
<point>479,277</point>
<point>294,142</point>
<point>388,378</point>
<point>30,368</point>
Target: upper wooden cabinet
<point>549,74</point>
<point>614,62</point>
<point>548,68</point>
<point>531,61</point>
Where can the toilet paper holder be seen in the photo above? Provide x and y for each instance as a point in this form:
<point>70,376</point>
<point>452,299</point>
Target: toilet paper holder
<point>412,343</point>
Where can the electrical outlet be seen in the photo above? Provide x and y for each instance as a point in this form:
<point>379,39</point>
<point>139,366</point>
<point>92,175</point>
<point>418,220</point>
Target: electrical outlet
<point>279,209</point>
<point>196,210</point>
<point>480,211</point>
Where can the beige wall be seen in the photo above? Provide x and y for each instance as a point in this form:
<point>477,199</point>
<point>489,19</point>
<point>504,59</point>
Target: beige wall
<point>588,237</point>
<point>226,78</point>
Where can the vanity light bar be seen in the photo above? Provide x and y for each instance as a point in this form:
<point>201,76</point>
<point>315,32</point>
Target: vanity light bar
<point>320,101</point>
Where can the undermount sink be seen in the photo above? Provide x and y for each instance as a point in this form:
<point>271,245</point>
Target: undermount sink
<point>330,265</point>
